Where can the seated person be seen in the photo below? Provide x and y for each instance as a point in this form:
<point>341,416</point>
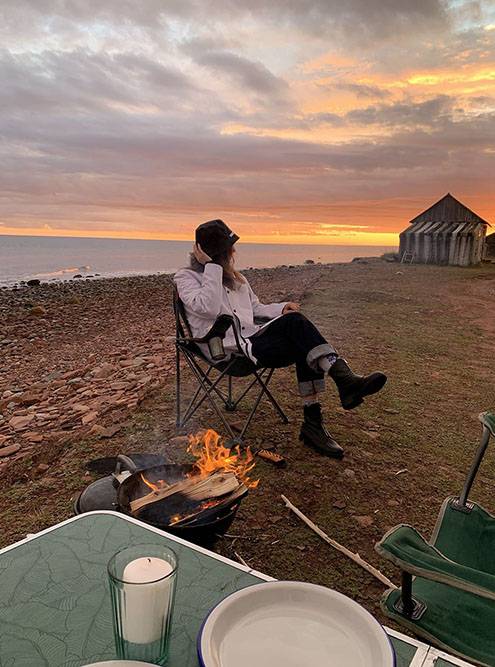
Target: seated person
<point>212,286</point>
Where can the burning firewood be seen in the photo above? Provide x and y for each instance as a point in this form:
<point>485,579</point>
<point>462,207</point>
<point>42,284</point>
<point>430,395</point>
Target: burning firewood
<point>196,488</point>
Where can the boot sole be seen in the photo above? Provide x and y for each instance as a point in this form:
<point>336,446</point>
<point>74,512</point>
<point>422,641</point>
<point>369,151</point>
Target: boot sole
<point>308,443</point>
<point>372,387</point>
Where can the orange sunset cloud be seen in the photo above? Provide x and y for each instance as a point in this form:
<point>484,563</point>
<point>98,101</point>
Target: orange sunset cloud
<point>315,123</point>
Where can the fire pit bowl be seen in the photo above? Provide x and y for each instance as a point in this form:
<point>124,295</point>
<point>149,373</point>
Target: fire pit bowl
<point>201,525</point>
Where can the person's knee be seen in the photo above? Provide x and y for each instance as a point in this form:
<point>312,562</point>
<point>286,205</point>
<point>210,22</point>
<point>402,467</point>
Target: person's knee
<point>295,316</point>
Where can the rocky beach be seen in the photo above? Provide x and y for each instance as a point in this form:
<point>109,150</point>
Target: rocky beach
<point>78,357</point>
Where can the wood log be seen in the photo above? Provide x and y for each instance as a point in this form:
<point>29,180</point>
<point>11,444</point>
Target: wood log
<point>226,501</point>
<point>344,550</point>
<point>195,488</point>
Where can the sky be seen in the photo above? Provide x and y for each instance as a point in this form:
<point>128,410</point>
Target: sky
<point>300,122</point>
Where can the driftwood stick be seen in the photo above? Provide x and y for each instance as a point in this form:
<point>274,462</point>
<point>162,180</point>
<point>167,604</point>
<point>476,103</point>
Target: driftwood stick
<point>195,488</point>
<point>353,556</point>
<point>241,559</point>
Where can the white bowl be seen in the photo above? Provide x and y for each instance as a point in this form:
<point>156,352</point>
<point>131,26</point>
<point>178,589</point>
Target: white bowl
<point>292,624</point>
<point>120,663</point>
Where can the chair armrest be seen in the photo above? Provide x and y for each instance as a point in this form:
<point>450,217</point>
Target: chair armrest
<point>218,330</point>
<point>214,337</point>
<point>407,549</point>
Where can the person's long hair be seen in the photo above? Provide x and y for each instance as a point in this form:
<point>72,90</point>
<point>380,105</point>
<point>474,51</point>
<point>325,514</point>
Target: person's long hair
<point>231,277</point>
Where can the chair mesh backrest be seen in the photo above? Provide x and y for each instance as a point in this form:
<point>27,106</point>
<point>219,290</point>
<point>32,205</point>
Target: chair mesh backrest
<point>181,323</point>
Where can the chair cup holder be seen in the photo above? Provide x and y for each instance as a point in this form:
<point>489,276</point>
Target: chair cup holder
<point>215,346</point>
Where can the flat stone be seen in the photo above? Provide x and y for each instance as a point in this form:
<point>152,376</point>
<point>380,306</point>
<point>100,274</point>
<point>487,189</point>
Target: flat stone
<point>98,430</point>
<point>339,504</point>
<point>80,407</point>
<point>29,398</point>
<point>32,436</point>
<point>9,450</point>
<point>110,431</point>
<point>89,417</point>
<point>21,422</point>
<point>103,371</point>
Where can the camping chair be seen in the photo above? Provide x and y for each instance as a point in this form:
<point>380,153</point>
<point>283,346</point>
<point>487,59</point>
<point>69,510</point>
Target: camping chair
<point>451,600</point>
<point>204,370</point>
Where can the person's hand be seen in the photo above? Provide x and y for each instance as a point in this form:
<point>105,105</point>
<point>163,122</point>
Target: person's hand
<point>291,307</point>
<point>200,254</point>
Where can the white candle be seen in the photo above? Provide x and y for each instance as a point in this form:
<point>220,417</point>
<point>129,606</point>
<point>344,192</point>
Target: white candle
<point>146,600</point>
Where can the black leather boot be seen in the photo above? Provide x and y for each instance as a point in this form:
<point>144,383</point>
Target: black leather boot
<point>353,388</point>
<point>314,434</point>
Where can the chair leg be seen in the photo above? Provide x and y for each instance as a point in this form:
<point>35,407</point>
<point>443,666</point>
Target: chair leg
<point>271,398</point>
<point>263,390</point>
<point>205,384</point>
<point>207,390</point>
<point>189,412</point>
<point>407,605</point>
<point>230,404</point>
<point>177,387</point>
<point>264,382</point>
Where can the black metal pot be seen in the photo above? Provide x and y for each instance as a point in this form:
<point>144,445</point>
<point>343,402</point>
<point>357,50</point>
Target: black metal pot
<point>111,494</point>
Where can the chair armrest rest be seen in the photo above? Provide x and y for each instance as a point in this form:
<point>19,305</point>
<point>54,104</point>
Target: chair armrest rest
<point>214,337</point>
<point>407,549</point>
<point>218,330</point>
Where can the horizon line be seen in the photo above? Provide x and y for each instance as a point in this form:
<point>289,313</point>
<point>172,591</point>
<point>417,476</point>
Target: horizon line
<point>282,241</point>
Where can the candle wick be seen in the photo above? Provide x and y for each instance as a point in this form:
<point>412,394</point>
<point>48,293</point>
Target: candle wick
<point>149,560</point>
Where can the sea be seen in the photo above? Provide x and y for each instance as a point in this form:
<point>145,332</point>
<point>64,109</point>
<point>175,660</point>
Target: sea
<point>61,258</point>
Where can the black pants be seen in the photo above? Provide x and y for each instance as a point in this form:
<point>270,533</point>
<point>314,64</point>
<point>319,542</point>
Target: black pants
<point>293,339</point>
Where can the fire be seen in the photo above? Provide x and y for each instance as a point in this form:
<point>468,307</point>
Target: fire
<point>211,455</point>
<point>154,487</point>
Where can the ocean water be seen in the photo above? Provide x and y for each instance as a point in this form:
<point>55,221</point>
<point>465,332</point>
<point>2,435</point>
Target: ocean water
<point>60,258</point>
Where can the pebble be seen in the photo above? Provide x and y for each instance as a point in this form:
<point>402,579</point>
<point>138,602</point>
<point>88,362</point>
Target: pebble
<point>364,521</point>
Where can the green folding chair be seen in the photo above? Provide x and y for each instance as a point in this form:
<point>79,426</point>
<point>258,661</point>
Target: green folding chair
<point>448,584</point>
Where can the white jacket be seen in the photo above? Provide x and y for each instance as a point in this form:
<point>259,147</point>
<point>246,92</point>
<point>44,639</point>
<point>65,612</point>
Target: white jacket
<point>205,298</point>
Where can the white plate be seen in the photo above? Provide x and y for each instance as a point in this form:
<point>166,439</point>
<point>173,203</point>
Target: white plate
<point>292,624</point>
<point>120,663</point>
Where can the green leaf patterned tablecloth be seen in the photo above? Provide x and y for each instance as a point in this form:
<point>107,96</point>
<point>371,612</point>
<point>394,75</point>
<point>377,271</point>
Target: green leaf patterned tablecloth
<point>55,603</point>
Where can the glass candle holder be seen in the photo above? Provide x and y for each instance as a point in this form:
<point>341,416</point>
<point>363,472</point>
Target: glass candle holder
<point>142,587</point>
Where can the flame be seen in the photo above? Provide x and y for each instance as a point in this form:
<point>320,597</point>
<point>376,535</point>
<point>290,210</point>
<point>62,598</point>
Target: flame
<point>211,455</point>
<point>160,484</point>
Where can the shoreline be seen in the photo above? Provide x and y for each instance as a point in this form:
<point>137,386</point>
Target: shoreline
<point>81,278</point>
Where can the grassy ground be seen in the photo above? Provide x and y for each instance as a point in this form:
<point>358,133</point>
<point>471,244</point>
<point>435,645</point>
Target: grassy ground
<point>431,330</point>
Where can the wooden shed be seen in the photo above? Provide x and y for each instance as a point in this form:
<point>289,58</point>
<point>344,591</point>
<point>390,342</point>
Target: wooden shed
<point>446,233</point>
<point>490,247</point>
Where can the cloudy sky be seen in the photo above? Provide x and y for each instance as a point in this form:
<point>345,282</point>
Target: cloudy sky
<point>322,121</point>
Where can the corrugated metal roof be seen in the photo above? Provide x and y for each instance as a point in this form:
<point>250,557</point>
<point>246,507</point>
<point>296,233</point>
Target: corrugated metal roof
<point>449,209</point>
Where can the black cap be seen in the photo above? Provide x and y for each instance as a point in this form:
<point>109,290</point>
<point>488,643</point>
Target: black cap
<point>215,237</point>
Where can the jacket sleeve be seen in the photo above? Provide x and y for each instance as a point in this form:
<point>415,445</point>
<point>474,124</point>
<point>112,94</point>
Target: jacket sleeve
<point>266,311</point>
<point>205,297</point>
